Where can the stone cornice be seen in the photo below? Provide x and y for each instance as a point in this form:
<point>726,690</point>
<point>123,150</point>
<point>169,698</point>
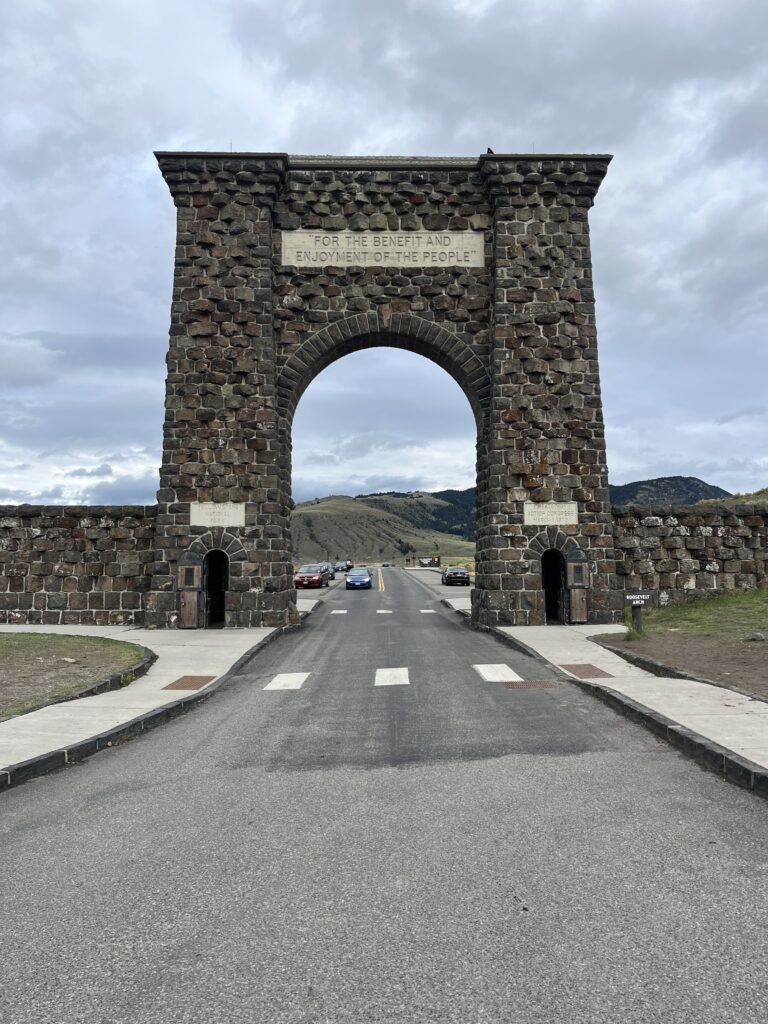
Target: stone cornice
<point>383,163</point>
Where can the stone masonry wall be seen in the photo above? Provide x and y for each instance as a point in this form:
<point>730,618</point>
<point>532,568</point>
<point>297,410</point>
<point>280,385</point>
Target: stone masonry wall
<point>685,552</point>
<point>75,565</point>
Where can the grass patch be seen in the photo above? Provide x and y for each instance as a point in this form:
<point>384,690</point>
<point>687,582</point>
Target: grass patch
<point>736,614</point>
<point>39,668</point>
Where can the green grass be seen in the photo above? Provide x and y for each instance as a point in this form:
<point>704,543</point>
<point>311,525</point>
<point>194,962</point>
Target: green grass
<point>736,614</point>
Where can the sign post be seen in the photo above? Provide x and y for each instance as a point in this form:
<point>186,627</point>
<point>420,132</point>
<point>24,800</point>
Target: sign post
<point>637,601</point>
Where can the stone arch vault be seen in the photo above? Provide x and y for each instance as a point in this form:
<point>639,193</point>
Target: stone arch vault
<point>284,264</point>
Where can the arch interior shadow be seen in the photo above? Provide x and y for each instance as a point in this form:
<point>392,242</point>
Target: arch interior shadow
<point>553,582</point>
<point>215,587</point>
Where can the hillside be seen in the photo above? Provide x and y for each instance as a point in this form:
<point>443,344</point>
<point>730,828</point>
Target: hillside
<point>393,525</point>
<point>343,527</point>
<point>445,511</point>
<point>665,490</point>
<point>755,498</point>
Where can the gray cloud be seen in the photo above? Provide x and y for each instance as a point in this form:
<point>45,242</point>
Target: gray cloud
<point>676,91</point>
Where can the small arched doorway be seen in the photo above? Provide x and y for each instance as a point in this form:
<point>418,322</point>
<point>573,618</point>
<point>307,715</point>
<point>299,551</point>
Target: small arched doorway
<point>215,586</point>
<point>553,582</point>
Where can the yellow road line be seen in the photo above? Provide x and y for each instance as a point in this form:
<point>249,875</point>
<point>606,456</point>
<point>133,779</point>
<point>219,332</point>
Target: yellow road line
<point>381,579</point>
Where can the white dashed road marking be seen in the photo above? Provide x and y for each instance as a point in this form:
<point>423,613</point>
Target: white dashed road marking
<point>427,611</point>
<point>339,611</point>
<point>392,677</point>
<point>288,681</point>
<point>497,674</point>
<point>383,611</point>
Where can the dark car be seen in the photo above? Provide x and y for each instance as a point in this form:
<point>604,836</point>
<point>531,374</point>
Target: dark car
<point>311,576</point>
<point>455,574</point>
<point>341,567</point>
<point>331,570</point>
<point>358,578</point>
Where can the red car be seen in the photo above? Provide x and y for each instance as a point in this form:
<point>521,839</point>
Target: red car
<point>312,576</point>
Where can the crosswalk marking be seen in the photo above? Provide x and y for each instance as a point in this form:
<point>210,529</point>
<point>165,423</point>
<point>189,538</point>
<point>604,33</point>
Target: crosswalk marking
<point>427,611</point>
<point>497,673</point>
<point>288,681</point>
<point>383,611</point>
<point>339,611</point>
<point>392,677</point>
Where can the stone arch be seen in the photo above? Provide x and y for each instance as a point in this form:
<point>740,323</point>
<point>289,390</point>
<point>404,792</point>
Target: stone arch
<point>369,330</point>
<point>215,539</point>
<point>551,537</point>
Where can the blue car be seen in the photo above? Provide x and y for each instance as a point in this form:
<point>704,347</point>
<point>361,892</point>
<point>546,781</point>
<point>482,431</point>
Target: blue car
<point>357,578</point>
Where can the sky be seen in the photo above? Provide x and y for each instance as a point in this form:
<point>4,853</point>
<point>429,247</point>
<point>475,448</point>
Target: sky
<point>675,89</point>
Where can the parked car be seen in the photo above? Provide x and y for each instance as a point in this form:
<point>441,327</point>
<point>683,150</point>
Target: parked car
<point>330,568</point>
<point>311,576</point>
<point>358,578</point>
<point>455,575</point>
<point>341,567</point>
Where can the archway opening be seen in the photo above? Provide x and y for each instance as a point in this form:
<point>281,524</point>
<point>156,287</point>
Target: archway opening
<point>376,435</point>
<point>215,587</point>
<point>553,582</point>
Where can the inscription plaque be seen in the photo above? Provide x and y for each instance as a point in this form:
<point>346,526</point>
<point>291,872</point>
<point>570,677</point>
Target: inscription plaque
<point>550,513</point>
<point>383,248</point>
<point>216,513</point>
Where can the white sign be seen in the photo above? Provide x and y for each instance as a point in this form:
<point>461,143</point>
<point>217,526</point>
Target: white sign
<point>383,248</point>
<point>216,513</point>
<point>550,513</point>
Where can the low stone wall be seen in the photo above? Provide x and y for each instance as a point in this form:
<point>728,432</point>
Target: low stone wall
<point>689,551</point>
<point>76,565</point>
<point>92,565</point>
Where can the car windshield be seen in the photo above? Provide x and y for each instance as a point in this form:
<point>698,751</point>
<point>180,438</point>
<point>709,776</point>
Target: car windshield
<point>359,572</point>
<point>311,568</point>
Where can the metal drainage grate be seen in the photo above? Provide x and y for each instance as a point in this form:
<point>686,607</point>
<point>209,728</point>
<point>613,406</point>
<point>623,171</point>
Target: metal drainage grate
<point>532,684</point>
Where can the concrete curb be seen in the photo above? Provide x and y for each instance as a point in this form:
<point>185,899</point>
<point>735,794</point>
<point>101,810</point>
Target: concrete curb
<point>23,771</point>
<point>704,751</point>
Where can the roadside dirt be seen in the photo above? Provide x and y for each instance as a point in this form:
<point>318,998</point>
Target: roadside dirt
<point>742,664</point>
<point>39,668</point>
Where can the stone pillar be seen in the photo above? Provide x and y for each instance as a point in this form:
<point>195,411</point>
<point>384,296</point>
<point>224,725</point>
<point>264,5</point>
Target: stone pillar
<point>546,440</point>
<point>220,433</point>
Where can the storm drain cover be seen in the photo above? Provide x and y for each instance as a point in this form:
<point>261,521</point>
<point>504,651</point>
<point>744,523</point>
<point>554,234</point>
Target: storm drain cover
<point>189,682</point>
<point>587,671</point>
<point>532,684</point>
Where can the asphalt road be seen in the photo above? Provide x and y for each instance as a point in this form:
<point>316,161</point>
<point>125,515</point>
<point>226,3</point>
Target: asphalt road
<point>441,849</point>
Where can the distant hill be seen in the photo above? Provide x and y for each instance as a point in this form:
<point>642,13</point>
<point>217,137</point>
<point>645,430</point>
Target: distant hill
<point>445,511</point>
<point>396,524</point>
<point>370,531</point>
<point>665,490</point>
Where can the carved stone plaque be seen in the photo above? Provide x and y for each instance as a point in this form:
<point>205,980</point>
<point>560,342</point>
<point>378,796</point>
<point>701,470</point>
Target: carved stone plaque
<point>216,513</point>
<point>550,513</point>
<point>383,248</point>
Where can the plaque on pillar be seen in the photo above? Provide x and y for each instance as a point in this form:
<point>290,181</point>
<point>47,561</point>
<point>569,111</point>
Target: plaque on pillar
<point>550,513</point>
<point>216,513</point>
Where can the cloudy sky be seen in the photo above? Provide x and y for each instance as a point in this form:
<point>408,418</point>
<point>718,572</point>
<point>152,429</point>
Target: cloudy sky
<point>676,89</point>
